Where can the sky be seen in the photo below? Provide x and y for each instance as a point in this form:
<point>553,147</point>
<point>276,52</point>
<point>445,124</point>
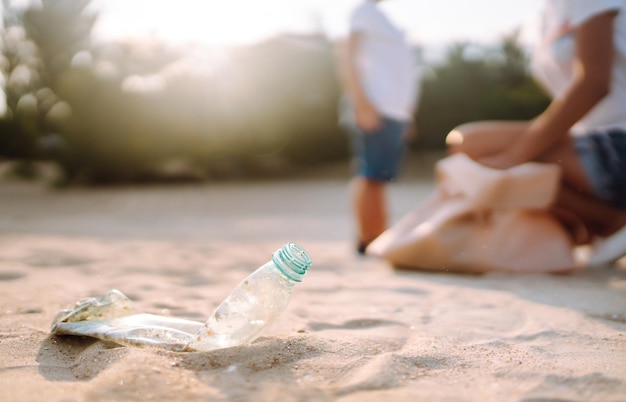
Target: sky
<point>429,23</point>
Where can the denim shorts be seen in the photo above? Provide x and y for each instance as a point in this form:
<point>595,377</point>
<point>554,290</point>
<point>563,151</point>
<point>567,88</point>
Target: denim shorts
<point>603,156</point>
<point>377,154</point>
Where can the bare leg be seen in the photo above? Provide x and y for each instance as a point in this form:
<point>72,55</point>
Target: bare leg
<point>576,194</point>
<point>599,218</point>
<point>484,138</point>
<point>369,207</point>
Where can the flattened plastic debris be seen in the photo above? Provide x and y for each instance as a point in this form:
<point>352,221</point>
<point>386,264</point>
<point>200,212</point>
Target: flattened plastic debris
<point>113,318</point>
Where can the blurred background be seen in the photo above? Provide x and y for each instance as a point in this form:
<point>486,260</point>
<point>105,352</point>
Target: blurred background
<point>119,91</point>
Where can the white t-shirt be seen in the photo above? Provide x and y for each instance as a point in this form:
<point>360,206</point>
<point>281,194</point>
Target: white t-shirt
<point>553,60</point>
<point>385,62</point>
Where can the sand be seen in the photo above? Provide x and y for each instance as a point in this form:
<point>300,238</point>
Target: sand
<point>355,329</point>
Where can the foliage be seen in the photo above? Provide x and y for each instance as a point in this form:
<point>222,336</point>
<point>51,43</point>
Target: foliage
<point>60,28</point>
<point>463,89</point>
<point>253,102</point>
<point>38,45</point>
<point>124,111</point>
<point>18,120</point>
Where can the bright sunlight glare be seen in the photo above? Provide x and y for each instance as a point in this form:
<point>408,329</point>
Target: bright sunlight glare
<point>209,21</point>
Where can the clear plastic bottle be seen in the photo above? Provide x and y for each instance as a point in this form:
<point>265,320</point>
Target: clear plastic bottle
<point>255,303</point>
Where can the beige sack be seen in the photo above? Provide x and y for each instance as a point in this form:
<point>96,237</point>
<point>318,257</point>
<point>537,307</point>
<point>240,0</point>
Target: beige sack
<point>480,220</point>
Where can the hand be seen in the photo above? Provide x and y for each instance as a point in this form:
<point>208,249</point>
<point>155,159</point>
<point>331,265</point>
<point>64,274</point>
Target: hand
<point>409,135</point>
<point>367,117</point>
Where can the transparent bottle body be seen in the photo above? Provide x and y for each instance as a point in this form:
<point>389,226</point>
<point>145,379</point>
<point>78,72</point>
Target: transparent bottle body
<point>247,311</point>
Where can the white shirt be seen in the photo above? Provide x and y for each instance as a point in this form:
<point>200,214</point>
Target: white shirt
<point>385,62</point>
<point>553,60</point>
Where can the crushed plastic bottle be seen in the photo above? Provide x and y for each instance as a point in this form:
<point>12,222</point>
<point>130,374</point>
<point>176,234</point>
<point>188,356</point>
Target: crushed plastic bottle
<point>241,318</point>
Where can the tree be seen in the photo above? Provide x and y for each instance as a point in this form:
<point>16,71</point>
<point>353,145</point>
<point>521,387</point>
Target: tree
<point>61,29</point>
<point>20,81</point>
<point>495,85</point>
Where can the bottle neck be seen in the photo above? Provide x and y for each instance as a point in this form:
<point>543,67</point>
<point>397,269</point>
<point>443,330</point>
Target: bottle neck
<point>292,261</point>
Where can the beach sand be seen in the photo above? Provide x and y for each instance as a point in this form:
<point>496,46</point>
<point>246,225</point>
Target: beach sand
<point>355,329</point>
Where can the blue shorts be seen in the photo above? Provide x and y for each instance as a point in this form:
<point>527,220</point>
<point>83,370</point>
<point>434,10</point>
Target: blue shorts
<point>603,156</point>
<point>377,154</point>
